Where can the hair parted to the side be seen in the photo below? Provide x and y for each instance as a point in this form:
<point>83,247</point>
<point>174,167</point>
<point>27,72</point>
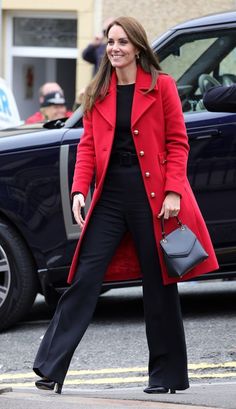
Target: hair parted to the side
<point>147,60</point>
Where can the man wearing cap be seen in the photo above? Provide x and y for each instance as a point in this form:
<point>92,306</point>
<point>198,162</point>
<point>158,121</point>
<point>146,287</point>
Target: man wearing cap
<point>52,104</point>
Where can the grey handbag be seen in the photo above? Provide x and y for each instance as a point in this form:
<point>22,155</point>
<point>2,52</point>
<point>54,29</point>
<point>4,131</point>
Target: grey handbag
<point>181,249</point>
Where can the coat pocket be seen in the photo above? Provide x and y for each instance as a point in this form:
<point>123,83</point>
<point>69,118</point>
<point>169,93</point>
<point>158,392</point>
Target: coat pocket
<point>162,159</point>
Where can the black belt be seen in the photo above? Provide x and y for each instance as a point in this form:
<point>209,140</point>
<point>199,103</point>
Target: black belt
<point>124,158</point>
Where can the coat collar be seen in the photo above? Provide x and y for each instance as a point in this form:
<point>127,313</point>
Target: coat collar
<point>141,101</point>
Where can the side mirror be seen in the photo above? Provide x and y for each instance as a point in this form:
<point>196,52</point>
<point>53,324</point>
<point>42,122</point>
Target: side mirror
<point>55,124</point>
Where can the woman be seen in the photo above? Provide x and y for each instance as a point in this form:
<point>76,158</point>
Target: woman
<point>135,139</point>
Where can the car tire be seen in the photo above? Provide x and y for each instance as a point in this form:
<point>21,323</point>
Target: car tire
<point>18,281</point>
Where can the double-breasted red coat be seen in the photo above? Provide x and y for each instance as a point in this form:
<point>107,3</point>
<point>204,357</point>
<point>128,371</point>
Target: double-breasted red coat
<point>160,139</point>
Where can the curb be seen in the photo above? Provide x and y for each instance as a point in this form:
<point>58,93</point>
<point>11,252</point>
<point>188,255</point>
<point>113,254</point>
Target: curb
<point>72,398</point>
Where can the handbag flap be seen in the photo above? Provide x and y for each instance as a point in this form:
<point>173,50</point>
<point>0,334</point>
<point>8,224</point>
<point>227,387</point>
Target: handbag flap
<point>179,242</point>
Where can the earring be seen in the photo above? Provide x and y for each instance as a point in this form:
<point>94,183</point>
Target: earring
<point>137,56</point>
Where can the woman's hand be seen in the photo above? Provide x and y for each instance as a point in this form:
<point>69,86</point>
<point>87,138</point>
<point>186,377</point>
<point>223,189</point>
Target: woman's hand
<point>78,203</point>
<point>170,206</point>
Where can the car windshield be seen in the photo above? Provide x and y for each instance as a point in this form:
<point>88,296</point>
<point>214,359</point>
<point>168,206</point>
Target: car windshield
<point>198,61</point>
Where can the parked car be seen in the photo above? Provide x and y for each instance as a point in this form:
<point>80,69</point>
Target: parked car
<point>37,230</point>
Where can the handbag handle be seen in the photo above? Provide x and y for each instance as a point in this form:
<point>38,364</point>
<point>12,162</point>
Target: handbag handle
<point>163,226</point>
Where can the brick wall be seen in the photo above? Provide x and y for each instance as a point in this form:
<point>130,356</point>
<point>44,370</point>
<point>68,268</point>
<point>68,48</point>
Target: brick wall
<point>158,15</point>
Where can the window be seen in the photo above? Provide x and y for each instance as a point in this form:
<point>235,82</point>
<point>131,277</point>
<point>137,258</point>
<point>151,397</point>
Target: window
<point>198,61</point>
<point>45,32</point>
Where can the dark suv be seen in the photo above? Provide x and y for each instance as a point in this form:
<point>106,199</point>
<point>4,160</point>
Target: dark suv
<point>37,230</point>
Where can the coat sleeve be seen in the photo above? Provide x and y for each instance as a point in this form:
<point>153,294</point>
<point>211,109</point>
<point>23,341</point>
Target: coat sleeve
<point>176,140</point>
<point>221,98</point>
<point>89,54</point>
<point>85,159</point>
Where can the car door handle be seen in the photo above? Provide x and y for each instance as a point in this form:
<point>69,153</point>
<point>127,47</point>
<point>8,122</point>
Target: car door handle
<point>209,134</point>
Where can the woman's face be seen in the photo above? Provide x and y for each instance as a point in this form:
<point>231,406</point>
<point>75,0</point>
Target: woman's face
<point>120,51</point>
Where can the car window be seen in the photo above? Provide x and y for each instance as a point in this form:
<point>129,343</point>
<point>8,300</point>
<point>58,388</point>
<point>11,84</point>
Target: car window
<point>228,67</point>
<point>177,63</point>
<point>198,61</point>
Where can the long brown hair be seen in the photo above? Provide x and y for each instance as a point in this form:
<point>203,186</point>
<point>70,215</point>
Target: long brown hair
<point>148,61</point>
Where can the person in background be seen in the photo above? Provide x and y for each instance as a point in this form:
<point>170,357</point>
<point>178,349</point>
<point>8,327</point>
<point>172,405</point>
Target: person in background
<point>94,52</point>
<point>220,98</point>
<point>52,104</point>
<point>135,138</point>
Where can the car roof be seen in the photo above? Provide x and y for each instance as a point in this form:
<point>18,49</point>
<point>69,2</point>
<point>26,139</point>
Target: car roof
<point>211,19</point>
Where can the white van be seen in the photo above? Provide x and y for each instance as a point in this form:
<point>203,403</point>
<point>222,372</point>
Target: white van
<point>9,115</point>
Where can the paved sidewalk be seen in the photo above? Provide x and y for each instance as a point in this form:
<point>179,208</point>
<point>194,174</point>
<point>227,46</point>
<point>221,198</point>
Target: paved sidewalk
<point>212,396</point>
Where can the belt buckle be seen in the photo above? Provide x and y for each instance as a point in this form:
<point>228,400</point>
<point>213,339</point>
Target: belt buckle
<point>125,159</point>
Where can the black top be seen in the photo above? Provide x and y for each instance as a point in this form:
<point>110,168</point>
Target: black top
<point>123,140</point>
<point>221,98</point>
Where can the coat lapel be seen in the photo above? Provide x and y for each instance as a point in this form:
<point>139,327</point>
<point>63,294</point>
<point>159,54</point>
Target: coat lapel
<point>141,101</point>
<point>107,107</point>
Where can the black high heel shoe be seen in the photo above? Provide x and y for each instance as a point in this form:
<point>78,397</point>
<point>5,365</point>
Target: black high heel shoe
<point>158,389</point>
<point>48,385</point>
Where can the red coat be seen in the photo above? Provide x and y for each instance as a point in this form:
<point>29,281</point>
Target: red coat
<point>160,140</point>
<point>38,117</point>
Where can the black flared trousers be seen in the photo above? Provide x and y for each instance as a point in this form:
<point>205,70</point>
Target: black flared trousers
<point>122,206</point>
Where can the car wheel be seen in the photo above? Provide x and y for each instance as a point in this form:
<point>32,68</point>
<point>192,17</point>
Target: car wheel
<point>18,281</point>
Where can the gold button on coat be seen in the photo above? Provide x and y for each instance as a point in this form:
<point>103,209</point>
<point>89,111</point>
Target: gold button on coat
<point>153,194</point>
<point>147,174</point>
<point>136,132</point>
<point>141,153</point>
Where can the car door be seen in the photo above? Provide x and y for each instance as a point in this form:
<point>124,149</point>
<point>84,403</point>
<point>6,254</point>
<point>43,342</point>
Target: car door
<point>198,59</point>
<point>212,174</point>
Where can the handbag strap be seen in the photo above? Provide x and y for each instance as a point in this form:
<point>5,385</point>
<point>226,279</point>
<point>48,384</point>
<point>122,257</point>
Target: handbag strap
<point>163,226</point>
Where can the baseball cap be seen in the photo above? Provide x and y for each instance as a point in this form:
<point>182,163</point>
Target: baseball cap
<point>53,98</point>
